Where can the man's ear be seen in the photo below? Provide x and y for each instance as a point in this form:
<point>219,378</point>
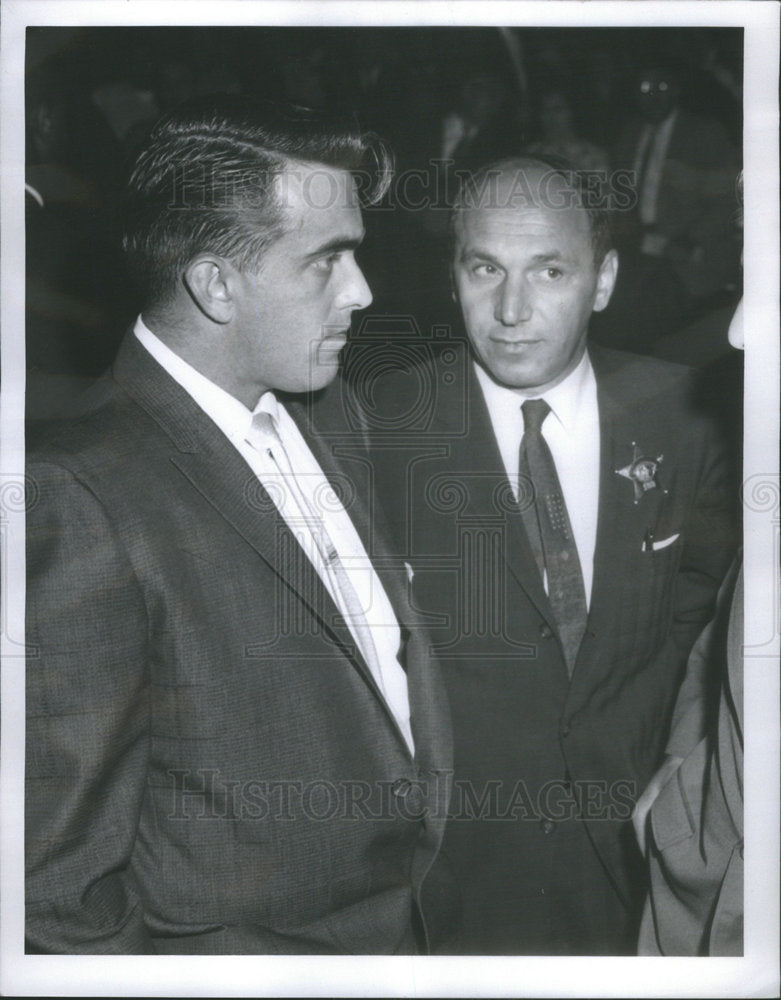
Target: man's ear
<point>209,280</point>
<point>606,280</point>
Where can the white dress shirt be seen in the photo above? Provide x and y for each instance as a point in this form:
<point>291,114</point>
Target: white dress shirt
<point>235,420</point>
<point>571,431</point>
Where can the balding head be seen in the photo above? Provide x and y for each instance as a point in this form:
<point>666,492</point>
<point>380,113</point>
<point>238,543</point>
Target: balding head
<point>522,182</point>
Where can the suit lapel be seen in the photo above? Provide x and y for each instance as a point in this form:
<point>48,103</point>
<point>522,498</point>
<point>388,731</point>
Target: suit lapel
<point>479,452</point>
<point>233,490</point>
<point>428,707</point>
<point>337,459</point>
<point>217,471</point>
<point>622,524</point>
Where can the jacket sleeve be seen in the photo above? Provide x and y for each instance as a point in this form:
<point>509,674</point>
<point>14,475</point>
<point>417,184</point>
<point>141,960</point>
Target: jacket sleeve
<point>87,725</point>
<point>710,542</point>
<point>697,695</point>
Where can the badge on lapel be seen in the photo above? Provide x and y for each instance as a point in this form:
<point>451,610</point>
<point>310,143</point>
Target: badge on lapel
<point>642,472</point>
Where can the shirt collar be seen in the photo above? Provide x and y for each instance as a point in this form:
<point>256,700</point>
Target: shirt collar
<point>232,417</point>
<point>566,399</point>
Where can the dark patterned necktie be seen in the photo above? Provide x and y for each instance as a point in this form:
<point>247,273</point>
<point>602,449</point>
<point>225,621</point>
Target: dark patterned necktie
<point>550,533</point>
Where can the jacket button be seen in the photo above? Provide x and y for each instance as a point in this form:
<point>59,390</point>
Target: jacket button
<point>546,631</point>
<point>548,826</point>
<point>401,787</point>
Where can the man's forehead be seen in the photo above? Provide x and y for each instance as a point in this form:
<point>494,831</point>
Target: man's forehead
<point>520,186</point>
<point>567,225</point>
<point>522,195</point>
<point>312,192</point>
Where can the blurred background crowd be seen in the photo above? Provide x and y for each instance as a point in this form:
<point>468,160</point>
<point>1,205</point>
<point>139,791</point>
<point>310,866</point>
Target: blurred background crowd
<point>664,104</point>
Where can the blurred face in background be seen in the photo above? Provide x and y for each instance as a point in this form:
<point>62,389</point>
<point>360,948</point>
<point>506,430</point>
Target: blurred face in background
<point>656,94</point>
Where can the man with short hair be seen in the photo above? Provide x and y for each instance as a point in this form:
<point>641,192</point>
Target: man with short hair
<point>237,741</point>
<point>562,509</point>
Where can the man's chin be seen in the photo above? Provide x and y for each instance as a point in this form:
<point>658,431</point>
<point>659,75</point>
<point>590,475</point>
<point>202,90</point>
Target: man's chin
<point>323,375</point>
<point>516,377</point>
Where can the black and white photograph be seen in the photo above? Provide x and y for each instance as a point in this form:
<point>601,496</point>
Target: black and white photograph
<point>390,508</point>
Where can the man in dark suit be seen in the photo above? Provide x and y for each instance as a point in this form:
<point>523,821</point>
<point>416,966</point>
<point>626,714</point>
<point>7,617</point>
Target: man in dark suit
<point>563,512</point>
<point>237,742</point>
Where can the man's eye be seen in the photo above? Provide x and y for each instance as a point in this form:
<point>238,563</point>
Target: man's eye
<point>485,269</point>
<point>326,263</point>
<point>552,273</point>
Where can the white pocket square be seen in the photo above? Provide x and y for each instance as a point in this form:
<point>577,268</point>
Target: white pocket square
<point>661,544</point>
<point>410,572</point>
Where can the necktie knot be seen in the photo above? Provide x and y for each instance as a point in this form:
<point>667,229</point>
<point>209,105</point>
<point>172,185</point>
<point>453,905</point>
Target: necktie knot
<point>263,431</point>
<point>534,413</point>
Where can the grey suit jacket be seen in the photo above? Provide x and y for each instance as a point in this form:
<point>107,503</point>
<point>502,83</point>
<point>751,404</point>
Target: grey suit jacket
<point>210,766</point>
<point>695,906</point>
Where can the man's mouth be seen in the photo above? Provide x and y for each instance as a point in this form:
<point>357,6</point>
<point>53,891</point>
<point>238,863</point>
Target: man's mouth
<point>514,346</point>
<point>334,333</point>
<point>332,343</point>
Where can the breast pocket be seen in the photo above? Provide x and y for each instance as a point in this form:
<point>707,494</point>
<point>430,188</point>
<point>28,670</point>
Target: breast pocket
<point>642,615</point>
<point>664,558</point>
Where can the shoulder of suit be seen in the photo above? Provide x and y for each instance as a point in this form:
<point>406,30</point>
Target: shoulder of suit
<point>609,363</point>
<point>645,383</point>
<point>100,424</point>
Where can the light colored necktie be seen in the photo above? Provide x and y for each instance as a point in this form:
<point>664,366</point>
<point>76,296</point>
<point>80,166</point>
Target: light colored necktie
<point>264,436</point>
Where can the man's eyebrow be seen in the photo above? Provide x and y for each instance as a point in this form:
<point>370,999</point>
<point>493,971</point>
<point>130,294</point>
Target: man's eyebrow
<point>549,257</point>
<point>552,257</point>
<point>336,245</point>
<point>477,253</point>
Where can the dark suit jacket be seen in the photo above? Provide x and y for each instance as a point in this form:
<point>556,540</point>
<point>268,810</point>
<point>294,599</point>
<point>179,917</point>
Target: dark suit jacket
<point>210,766</point>
<point>517,717</point>
<point>696,855</point>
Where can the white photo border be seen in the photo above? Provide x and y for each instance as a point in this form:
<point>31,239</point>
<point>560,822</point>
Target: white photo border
<point>754,975</point>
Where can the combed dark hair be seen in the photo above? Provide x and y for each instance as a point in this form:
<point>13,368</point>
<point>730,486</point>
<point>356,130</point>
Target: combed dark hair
<point>204,181</point>
<point>474,186</point>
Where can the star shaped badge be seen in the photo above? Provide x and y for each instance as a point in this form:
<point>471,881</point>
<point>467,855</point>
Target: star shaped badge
<point>642,472</point>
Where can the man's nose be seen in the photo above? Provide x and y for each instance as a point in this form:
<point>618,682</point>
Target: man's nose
<point>513,304</point>
<point>355,292</point>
